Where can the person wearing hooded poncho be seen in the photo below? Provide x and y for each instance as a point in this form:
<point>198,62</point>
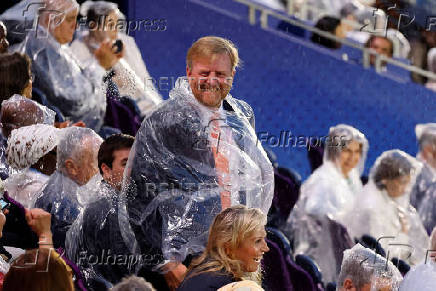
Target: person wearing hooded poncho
<point>131,75</point>
<point>423,196</point>
<point>383,209</point>
<point>79,93</point>
<point>76,165</point>
<point>363,269</point>
<point>195,155</point>
<point>326,196</point>
<point>30,154</point>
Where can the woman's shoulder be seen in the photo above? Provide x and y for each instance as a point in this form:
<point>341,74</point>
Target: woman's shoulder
<point>206,281</point>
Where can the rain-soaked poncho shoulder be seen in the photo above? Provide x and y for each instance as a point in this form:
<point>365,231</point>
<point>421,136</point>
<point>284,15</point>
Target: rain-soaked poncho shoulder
<point>422,278</point>
<point>79,93</point>
<point>26,146</point>
<point>96,233</point>
<point>63,198</point>
<point>377,214</point>
<point>174,192</point>
<point>379,272</point>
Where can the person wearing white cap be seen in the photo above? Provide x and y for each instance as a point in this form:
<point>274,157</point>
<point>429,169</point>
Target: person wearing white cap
<point>31,155</point>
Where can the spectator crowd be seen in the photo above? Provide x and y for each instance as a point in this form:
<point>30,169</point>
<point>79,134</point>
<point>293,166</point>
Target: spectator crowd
<point>108,187</point>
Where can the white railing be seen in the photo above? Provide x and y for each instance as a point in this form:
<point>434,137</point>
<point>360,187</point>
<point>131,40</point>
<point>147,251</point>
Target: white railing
<point>380,60</point>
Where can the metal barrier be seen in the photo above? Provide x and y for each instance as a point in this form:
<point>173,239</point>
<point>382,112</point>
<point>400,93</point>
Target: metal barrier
<point>380,60</point>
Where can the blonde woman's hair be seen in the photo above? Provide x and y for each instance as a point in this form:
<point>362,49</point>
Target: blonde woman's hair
<point>229,229</point>
<point>213,45</point>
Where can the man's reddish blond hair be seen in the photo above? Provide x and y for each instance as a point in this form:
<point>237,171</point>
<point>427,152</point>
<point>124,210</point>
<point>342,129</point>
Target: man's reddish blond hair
<point>213,45</point>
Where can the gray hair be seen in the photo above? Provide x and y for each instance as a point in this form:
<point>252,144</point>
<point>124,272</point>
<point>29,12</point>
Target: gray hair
<point>364,266</point>
<point>133,283</point>
<point>71,144</point>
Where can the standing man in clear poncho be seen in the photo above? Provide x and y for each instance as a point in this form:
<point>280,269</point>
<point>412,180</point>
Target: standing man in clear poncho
<point>196,155</point>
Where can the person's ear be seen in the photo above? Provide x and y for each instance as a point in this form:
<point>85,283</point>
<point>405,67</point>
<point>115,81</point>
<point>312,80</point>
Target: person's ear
<point>188,71</point>
<point>71,168</point>
<point>107,172</point>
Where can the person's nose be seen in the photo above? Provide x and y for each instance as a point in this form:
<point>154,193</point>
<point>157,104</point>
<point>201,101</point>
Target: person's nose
<point>265,247</point>
<point>212,79</point>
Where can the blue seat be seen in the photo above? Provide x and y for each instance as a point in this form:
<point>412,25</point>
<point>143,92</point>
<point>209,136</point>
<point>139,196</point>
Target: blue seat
<point>310,267</point>
<point>279,238</point>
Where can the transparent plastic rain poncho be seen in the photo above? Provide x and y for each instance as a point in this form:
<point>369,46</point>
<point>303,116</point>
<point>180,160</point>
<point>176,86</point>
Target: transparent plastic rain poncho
<point>24,111</point>
<point>26,146</point>
<point>96,233</point>
<point>79,93</point>
<point>62,196</point>
<point>131,75</point>
<point>173,190</point>
<point>326,193</point>
<point>423,195</point>
<point>19,111</point>
<point>378,214</point>
<point>422,278</point>
<point>364,266</point>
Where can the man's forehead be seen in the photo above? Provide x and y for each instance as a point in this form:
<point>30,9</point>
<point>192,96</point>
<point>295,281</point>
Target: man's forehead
<point>221,61</point>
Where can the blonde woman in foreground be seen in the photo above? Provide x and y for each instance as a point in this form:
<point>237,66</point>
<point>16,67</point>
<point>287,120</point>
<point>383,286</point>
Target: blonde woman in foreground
<point>233,253</point>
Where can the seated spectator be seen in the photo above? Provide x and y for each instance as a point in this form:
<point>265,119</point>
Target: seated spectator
<point>4,44</point>
<point>332,188</point>
<point>78,93</point>
<point>326,197</point>
<point>17,112</point>
<point>130,70</point>
<point>133,283</point>
<point>424,191</point>
<point>363,269</point>
<point>382,46</point>
<point>426,136</point>
<point>31,153</point>
<point>97,231</point>
<point>15,76</point>
<point>39,269</point>
<point>76,165</point>
<point>233,253</point>
<point>383,207</point>
<point>331,25</point>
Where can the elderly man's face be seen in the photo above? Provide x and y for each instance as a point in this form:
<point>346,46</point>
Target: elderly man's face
<point>86,166</point>
<point>211,79</point>
<point>4,44</point>
<point>63,32</point>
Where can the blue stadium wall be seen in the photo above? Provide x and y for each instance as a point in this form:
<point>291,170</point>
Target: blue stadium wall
<point>293,86</point>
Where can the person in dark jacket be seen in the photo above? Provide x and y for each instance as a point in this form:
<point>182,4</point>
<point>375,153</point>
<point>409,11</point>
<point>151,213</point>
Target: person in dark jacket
<point>233,253</point>
<point>96,233</point>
